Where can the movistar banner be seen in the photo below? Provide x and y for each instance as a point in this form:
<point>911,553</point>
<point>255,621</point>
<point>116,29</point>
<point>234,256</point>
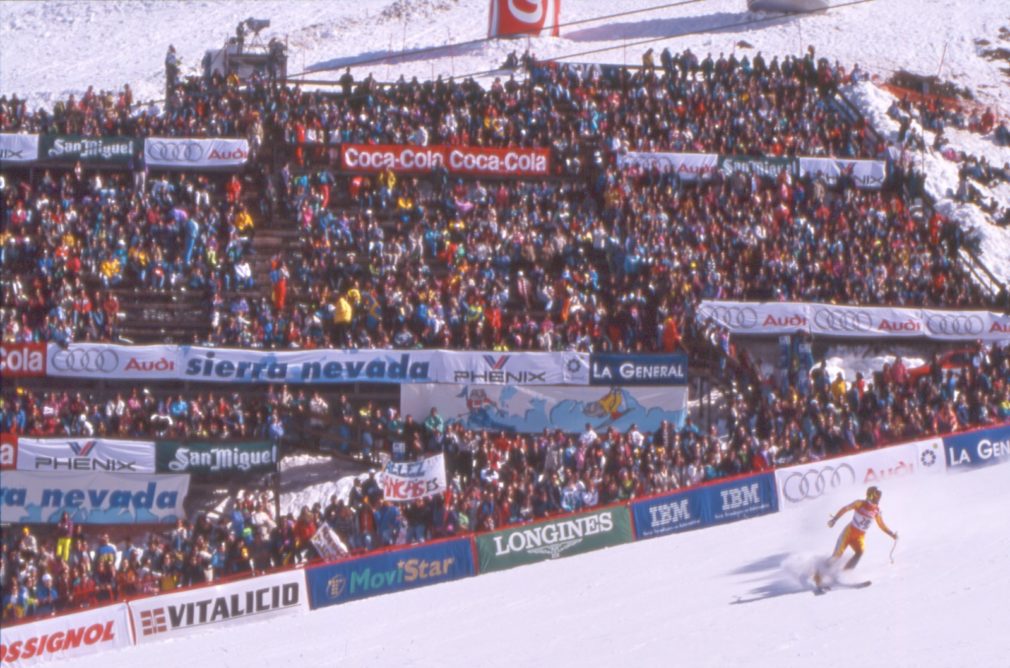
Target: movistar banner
<point>768,318</point>
<point>17,148</point>
<point>619,369</point>
<point>550,539</point>
<point>216,458</point>
<point>87,150</point>
<point>981,447</point>
<point>391,571</point>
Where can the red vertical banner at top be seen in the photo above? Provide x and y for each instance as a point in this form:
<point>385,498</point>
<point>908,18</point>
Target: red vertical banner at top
<point>524,17</point>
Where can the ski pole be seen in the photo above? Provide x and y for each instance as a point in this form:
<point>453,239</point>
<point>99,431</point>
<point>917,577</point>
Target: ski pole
<point>893,546</point>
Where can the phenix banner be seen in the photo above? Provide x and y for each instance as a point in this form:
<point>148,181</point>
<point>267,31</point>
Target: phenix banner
<point>524,17</point>
<point>768,318</point>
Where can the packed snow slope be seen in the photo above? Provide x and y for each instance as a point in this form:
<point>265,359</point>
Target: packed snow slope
<point>717,597</point>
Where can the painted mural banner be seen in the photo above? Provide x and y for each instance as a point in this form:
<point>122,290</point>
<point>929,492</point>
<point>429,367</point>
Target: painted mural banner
<point>531,409</point>
<point>216,458</point>
<point>555,538</point>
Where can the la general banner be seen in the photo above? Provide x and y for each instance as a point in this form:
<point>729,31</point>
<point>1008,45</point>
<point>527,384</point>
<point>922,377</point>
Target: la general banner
<point>216,458</point>
<point>707,505</point>
<point>551,539</point>
<point>530,410</point>
<point>393,570</point>
<point>981,447</point>
<point>92,498</point>
<point>622,369</point>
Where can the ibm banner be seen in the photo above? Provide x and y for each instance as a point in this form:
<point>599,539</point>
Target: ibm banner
<point>189,153</point>
<point>711,504</point>
<point>531,409</point>
<point>619,369</point>
<point>768,318</point>
<point>408,481</point>
<point>184,613</point>
<point>981,447</point>
<point>842,477</point>
<point>84,454</point>
<point>65,637</point>
<point>16,148</point>
<point>390,571</point>
<point>92,498</point>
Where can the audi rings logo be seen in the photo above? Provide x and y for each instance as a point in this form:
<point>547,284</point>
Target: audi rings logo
<point>843,321</point>
<point>955,325</point>
<point>174,151</point>
<point>734,317</point>
<point>813,483</point>
<point>85,360</point>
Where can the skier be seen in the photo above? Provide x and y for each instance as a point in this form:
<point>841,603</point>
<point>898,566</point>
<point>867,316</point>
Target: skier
<point>854,535</point>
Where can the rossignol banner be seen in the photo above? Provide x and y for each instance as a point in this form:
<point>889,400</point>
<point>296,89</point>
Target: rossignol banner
<point>216,458</point>
<point>22,360</point>
<point>524,17</point>
<point>408,481</point>
<point>16,148</point>
<point>550,539</point>
<point>981,447</point>
<point>85,454</point>
<point>191,153</point>
<point>183,613</point>
<point>531,409</point>
<point>92,498</point>
<point>689,167</point>
<point>470,160</point>
<point>620,369</point>
<point>390,571</point>
<point>766,318</point>
<point>65,637</point>
<point>87,150</point>
<point>835,479</point>
<point>707,505</point>
<point>512,369</point>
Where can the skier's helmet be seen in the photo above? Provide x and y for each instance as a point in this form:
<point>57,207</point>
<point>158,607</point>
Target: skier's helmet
<point>873,494</point>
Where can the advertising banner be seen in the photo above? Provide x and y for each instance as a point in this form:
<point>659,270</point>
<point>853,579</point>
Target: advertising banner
<point>92,498</point>
<point>408,481</point>
<point>191,153</point>
<point>470,160</point>
<point>528,17</point>
<point>866,174</point>
<point>101,360</point>
<point>8,452</point>
<point>328,543</point>
<point>670,513</point>
<point>766,166</point>
<point>183,613</point>
<point>619,369</point>
<point>551,539</point>
<point>531,409</point>
<point>483,161</point>
<point>772,318</point>
<point>216,458</point>
<point>85,454</point>
<point>65,637</point>
<point>512,369</point>
<point>801,484</point>
<point>70,149</point>
<point>22,360</point>
<point>16,148</point>
<point>982,447</point>
<point>390,571</point>
<point>689,167</point>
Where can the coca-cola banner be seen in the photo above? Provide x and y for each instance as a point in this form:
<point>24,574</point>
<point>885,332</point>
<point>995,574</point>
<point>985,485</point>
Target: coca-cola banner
<point>21,360</point>
<point>408,481</point>
<point>855,321</point>
<point>18,148</point>
<point>524,17</point>
<point>470,160</point>
<point>190,153</point>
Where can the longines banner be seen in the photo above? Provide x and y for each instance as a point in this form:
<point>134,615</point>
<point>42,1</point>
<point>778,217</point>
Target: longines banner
<point>190,153</point>
<point>767,318</point>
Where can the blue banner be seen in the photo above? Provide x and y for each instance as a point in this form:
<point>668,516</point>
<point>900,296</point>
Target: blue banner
<point>391,571</point>
<point>618,369</point>
<point>978,448</point>
<point>708,505</point>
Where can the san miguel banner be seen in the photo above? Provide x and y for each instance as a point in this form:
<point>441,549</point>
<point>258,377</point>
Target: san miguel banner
<point>22,360</point>
<point>190,153</point>
<point>529,409</point>
<point>184,613</point>
<point>550,539</point>
<point>216,458</point>
<point>65,637</point>
<point>769,167</point>
<point>512,368</point>
<point>92,498</point>
<point>622,369</point>
<point>16,148</point>
<point>981,447</point>
<point>87,150</point>
<point>85,454</point>
<point>524,17</point>
<point>393,570</point>
<point>471,160</point>
<point>772,318</point>
<point>403,482</point>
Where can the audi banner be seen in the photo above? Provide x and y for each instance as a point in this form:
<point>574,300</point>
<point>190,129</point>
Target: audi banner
<point>981,447</point>
<point>836,480</point>
<point>188,153</point>
<point>66,636</point>
<point>689,167</point>
<point>22,360</point>
<point>49,455</point>
<point>470,160</point>
<point>100,360</point>
<point>524,17</point>
<point>773,318</point>
<point>18,148</point>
